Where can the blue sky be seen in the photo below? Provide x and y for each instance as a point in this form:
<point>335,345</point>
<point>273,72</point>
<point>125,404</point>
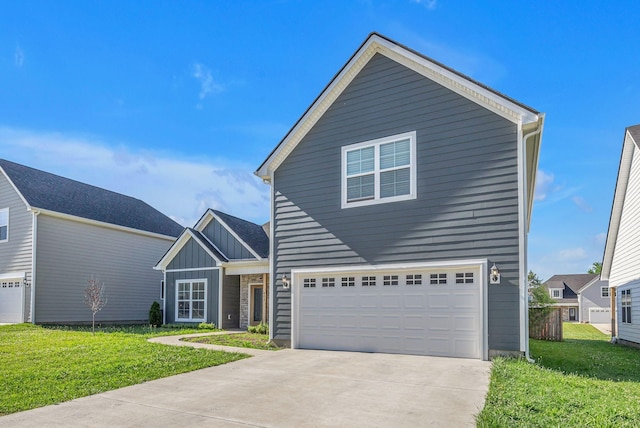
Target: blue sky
<point>177,103</point>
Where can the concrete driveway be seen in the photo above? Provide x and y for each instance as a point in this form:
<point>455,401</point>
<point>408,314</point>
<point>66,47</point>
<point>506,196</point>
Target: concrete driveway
<point>288,388</point>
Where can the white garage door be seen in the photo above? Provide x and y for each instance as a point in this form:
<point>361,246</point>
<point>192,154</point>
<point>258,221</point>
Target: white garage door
<point>422,312</point>
<point>599,315</point>
<point>11,300</point>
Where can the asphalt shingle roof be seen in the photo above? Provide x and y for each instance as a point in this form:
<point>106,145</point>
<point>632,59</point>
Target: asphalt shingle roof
<point>571,283</point>
<point>54,193</point>
<point>250,233</point>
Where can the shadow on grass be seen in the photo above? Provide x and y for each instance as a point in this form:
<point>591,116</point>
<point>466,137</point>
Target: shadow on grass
<point>134,329</point>
<point>596,359</point>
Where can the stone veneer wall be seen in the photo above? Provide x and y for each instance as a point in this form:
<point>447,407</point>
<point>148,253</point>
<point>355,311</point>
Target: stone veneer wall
<point>245,281</point>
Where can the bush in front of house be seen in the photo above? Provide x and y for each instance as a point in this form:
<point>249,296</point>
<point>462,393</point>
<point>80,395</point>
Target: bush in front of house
<point>155,316</point>
<point>261,328</point>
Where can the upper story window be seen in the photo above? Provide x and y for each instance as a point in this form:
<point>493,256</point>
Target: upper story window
<point>379,171</point>
<point>4,224</point>
<point>604,291</point>
<point>625,303</point>
<point>555,293</point>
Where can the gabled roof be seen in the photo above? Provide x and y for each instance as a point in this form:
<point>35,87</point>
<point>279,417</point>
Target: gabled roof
<point>49,192</point>
<point>187,234</point>
<point>631,142</point>
<point>530,119</point>
<point>251,235</point>
<point>571,283</point>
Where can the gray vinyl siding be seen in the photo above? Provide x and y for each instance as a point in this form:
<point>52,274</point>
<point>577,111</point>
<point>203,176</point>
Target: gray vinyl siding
<point>231,301</point>
<point>592,298</point>
<point>191,256</point>
<point>69,253</point>
<point>467,191</point>
<point>226,242</point>
<point>16,253</point>
<point>213,280</point>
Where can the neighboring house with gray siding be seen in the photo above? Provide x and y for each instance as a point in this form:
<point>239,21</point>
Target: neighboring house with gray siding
<point>621,264</point>
<point>217,272</point>
<point>393,196</point>
<point>57,233</point>
<point>581,297</point>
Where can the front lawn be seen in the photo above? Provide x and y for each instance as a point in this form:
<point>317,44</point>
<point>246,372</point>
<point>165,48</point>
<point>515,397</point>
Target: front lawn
<point>42,366</point>
<point>240,340</point>
<point>583,381</point>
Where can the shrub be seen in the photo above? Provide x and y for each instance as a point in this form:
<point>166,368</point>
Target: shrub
<point>261,328</point>
<point>207,326</point>
<point>155,316</point>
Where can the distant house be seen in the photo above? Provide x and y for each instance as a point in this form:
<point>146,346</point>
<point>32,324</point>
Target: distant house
<point>621,264</point>
<point>57,233</point>
<point>217,272</point>
<point>582,297</point>
<point>393,197</point>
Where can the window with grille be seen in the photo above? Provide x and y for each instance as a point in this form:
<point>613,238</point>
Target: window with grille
<point>328,282</point>
<point>390,280</point>
<point>348,281</point>
<point>464,278</point>
<point>191,298</point>
<point>368,281</point>
<point>438,279</point>
<point>625,303</point>
<point>414,279</point>
<point>309,283</point>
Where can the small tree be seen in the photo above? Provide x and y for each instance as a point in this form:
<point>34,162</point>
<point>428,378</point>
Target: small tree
<point>539,295</point>
<point>155,316</point>
<point>596,267</point>
<point>95,298</point>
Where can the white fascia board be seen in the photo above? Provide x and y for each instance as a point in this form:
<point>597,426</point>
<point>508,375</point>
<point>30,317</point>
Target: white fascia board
<point>13,275</point>
<point>13,186</point>
<point>376,44</point>
<point>246,267</point>
<point>177,246</point>
<point>101,224</point>
<point>624,171</point>
<point>210,215</point>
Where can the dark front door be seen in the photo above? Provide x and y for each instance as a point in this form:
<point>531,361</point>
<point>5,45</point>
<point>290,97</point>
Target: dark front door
<point>572,314</point>
<point>256,303</point>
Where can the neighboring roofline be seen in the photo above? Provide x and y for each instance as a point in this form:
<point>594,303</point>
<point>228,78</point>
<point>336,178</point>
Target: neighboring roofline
<point>99,223</point>
<point>204,221</point>
<point>622,180</point>
<point>180,242</point>
<point>495,101</point>
<point>589,284</point>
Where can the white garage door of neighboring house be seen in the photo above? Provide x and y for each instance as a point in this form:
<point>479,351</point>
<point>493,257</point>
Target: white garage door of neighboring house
<point>409,311</point>
<point>11,300</point>
<point>599,315</point>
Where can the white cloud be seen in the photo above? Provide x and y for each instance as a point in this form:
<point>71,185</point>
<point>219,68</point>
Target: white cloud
<point>18,57</point>
<point>429,4</point>
<point>544,183</point>
<point>601,238</point>
<point>182,188</point>
<point>582,204</point>
<point>207,85</point>
<point>572,254</point>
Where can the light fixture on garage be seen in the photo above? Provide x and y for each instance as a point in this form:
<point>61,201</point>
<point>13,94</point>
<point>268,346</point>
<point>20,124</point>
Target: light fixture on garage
<point>25,282</point>
<point>285,281</point>
<point>494,276</point>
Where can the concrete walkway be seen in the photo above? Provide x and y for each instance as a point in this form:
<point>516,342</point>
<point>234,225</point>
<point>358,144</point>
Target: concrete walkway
<point>605,328</point>
<point>288,388</point>
<point>177,341</point>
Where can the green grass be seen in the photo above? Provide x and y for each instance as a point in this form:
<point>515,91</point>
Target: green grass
<point>583,381</point>
<point>241,340</point>
<point>48,365</point>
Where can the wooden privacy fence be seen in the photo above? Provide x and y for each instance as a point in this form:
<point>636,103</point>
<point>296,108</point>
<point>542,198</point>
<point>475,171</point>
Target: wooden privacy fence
<point>545,323</point>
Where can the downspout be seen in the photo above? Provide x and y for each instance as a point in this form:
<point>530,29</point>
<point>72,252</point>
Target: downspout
<point>526,232</point>
<point>34,241</point>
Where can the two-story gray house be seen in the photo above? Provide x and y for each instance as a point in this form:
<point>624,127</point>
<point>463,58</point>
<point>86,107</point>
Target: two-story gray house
<point>57,233</point>
<point>401,202</point>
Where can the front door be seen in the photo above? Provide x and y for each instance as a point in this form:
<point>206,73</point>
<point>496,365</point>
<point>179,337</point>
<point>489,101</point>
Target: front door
<point>257,301</point>
<point>572,314</point>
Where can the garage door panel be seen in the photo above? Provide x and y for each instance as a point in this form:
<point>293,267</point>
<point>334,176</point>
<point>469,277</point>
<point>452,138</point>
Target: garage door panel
<point>410,317</point>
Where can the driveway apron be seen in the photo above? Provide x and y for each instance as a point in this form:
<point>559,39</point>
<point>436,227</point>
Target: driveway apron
<point>288,388</point>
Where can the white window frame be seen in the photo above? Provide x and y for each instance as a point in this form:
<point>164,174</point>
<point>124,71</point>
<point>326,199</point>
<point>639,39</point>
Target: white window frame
<point>604,292</point>
<point>191,282</point>
<point>553,291</point>
<point>5,225</point>
<point>376,170</point>
<point>625,306</point>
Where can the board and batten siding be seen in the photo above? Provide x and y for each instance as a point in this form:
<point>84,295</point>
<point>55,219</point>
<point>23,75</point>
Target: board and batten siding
<point>69,253</point>
<point>625,266</point>
<point>225,241</point>
<point>467,191</point>
<point>191,256</point>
